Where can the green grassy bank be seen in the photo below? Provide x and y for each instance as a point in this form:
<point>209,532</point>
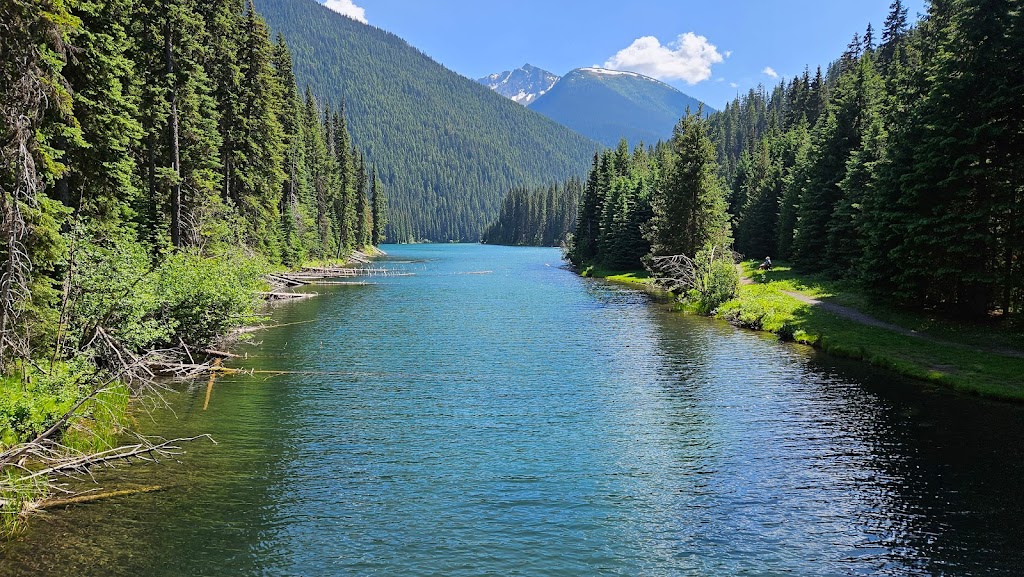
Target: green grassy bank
<point>970,358</point>
<point>632,277</point>
<point>975,359</point>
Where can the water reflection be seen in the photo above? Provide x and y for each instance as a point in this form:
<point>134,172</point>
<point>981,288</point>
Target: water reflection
<point>530,422</point>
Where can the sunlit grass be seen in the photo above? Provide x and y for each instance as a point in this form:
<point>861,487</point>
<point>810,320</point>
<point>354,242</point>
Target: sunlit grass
<point>636,277</point>
<point>765,306</point>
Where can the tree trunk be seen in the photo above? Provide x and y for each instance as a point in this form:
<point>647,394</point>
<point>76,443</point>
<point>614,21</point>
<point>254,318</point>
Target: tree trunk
<point>173,142</point>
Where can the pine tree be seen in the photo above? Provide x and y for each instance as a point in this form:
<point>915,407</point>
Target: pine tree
<point>99,183</point>
<point>835,137</point>
<point>588,222</point>
<point>258,171</point>
<point>794,182</point>
<point>960,192</point>
<point>364,219</point>
<point>31,89</point>
<point>689,208</point>
<point>844,227</point>
<point>318,167</point>
<point>293,213</point>
<point>379,210</point>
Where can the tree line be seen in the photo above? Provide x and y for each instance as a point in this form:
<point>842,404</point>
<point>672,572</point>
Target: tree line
<point>536,217</point>
<point>150,140</point>
<point>898,168</point>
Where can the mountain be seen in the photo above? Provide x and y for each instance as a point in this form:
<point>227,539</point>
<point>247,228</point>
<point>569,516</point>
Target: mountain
<point>608,105</point>
<point>446,148</point>
<point>523,85</point>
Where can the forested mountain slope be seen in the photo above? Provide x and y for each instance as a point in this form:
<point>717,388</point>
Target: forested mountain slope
<point>448,148</point>
<point>608,105</point>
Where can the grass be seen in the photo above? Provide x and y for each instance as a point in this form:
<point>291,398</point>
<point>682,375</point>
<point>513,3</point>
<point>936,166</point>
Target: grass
<point>961,365</point>
<point>29,407</point>
<point>633,277</point>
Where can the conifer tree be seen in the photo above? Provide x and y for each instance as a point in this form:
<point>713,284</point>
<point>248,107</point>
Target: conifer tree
<point>588,220</point>
<point>364,219</point>
<point>31,89</point>
<point>318,167</point>
<point>99,184</point>
<point>379,210</point>
<point>258,171</point>
<point>689,208</point>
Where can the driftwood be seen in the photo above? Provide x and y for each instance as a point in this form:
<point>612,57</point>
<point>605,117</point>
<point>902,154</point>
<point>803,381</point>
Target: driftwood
<point>279,296</point>
<point>54,468</point>
<point>679,273</point>
<point>90,498</point>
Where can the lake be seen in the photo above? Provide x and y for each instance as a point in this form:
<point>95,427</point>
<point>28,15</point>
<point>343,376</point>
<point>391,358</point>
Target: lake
<point>496,414</point>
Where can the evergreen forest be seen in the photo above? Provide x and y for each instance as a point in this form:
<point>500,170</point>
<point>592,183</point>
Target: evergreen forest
<point>897,168</point>
<point>448,148</point>
<point>156,158</point>
<point>536,217</point>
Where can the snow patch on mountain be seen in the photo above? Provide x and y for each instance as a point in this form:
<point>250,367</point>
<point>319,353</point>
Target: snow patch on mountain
<point>523,85</point>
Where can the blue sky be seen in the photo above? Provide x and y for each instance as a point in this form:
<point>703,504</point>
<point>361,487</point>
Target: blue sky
<point>710,50</point>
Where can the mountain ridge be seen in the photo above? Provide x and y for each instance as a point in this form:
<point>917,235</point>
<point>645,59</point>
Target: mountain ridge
<point>523,85</point>
<point>447,148</point>
<point>608,105</point>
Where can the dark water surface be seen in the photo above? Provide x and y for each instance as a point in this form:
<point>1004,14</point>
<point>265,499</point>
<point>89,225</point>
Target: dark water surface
<point>529,422</point>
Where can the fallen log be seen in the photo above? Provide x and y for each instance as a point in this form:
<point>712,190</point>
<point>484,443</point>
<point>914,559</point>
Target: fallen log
<point>83,499</point>
<point>279,296</point>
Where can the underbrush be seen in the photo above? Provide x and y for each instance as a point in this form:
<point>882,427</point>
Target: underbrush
<point>116,295</point>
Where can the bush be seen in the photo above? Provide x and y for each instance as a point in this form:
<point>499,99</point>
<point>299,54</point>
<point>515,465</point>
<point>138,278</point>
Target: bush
<point>200,298</point>
<point>716,279</point>
<point>187,295</point>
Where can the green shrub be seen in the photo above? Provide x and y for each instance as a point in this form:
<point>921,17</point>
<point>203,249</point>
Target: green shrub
<point>716,280</point>
<point>200,298</point>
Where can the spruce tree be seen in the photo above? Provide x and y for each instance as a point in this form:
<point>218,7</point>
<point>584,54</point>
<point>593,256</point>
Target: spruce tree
<point>258,172</point>
<point>379,210</point>
<point>689,208</point>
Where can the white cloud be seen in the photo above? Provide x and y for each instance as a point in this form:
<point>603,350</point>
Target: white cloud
<point>689,57</point>
<point>347,8</point>
<point>769,71</point>
<point>734,85</point>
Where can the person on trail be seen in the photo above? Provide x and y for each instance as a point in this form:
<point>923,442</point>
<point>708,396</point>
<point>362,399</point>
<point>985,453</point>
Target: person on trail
<point>767,264</point>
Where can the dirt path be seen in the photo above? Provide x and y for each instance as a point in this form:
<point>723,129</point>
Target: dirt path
<point>854,315</point>
<point>868,320</point>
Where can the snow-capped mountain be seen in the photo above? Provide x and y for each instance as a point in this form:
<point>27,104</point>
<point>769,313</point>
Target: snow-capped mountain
<point>607,105</point>
<point>524,85</point>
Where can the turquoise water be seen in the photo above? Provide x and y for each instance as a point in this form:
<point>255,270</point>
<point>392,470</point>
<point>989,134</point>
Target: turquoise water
<point>496,414</point>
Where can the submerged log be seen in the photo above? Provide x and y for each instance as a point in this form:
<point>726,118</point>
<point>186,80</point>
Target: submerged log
<point>279,296</point>
<point>92,498</point>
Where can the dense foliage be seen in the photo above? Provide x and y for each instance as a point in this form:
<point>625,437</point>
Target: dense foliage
<point>658,201</point>
<point>538,217</point>
<point>155,159</point>
<point>899,168</point>
<point>448,148</point>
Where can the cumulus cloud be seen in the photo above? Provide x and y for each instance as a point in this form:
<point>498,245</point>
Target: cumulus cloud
<point>689,57</point>
<point>347,8</point>
<point>734,85</point>
<point>769,71</point>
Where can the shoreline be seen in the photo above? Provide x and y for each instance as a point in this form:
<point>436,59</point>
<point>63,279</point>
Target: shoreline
<point>805,312</point>
<point>20,500</point>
